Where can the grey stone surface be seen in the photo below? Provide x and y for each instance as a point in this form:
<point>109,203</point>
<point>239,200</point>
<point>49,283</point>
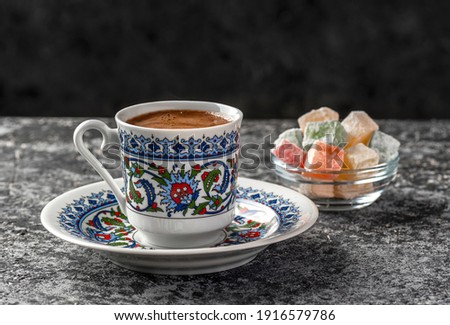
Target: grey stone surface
<point>393,252</point>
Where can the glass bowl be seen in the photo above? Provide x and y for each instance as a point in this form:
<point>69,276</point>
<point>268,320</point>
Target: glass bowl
<point>341,190</point>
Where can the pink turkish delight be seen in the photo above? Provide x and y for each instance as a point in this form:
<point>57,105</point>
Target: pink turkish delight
<point>290,153</point>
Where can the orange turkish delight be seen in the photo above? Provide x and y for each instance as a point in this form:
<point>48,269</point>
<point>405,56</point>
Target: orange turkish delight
<point>317,115</point>
<point>324,157</point>
<point>360,156</point>
<point>359,127</point>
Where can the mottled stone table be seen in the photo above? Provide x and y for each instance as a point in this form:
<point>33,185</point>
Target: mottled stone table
<point>396,251</point>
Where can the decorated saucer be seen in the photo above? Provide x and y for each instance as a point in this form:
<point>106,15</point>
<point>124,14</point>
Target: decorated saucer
<point>266,213</point>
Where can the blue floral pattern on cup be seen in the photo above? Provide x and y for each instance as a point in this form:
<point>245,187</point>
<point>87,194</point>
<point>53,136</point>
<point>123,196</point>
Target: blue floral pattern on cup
<point>202,189</point>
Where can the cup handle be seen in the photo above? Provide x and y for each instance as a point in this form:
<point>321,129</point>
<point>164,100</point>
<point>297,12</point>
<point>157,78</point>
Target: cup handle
<point>109,136</point>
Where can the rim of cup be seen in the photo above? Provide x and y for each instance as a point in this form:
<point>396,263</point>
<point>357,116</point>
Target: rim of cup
<point>128,112</point>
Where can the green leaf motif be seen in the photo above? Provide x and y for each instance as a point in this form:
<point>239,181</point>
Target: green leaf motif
<point>200,207</point>
<point>112,221</point>
<point>139,171</point>
<point>166,175</point>
<point>194,172</point>
<point>209,180</point>
<point>160,180</point>
<point>153,167</point>
<point>113,212</point>
<point>154,209</point>
<point>133,194</point>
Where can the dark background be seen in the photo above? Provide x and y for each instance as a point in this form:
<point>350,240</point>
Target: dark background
<point>272,59</point>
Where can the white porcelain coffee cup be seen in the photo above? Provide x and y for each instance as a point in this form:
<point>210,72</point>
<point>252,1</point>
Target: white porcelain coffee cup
<point>180,184</point>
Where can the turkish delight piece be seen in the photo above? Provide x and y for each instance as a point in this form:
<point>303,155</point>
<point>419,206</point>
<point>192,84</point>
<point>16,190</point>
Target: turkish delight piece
<point>359,127</point>
<point>350,191</point>
<point>317,115</point>
<point>324,157</point>
<point>360,156</point>
<point>330,132</point>
<point>290,153</point>
<point>317,191</point>
<point>294,136</point>
<point>385,145</point>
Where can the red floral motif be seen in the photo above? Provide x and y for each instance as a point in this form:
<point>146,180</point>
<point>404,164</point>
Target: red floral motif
<point>179,191</point>
<point>196,168</point>
<point>103,236</point>
<point>256,225</point>
<point>154,205</point>
<point>161,170</point>
<point>204,175</point>
<point>252,234</point>
<point>202,211</point>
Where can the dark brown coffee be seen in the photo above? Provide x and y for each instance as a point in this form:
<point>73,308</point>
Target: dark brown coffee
<point>179,119</point>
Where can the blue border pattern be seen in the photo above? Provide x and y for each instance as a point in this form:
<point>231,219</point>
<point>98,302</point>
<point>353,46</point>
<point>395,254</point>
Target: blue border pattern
<point>72,217</point>
<point>179,148</point>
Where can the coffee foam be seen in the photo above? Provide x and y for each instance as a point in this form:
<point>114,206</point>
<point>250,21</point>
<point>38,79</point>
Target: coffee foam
<point>179,119</point>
